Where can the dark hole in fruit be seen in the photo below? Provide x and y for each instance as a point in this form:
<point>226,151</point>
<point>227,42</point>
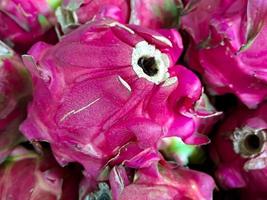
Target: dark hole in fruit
<point>252,142</point>
<point>148,64</point>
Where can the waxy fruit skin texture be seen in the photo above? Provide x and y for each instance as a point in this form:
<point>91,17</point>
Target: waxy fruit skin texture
<point>106,87</point>
<point>228,47</point>
<point>161,181</point>
<point>149,13</point>
<point>26,175</point>
<point>24,22</point>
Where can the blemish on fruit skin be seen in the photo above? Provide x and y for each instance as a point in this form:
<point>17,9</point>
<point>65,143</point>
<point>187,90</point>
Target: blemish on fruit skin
<point>121,26</point>
<point>73,112</point>
<point>162,39</point>
<point>124,83</point>
<point>170,81</point>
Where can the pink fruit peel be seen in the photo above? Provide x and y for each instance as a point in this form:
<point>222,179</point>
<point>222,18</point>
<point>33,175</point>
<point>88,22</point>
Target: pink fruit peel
<point>130,93</point>
<point>161,181</point>
<point>226,49</point>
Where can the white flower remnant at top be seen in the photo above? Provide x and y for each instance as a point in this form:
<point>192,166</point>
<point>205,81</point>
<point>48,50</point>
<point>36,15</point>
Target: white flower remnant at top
<point>158,67</point>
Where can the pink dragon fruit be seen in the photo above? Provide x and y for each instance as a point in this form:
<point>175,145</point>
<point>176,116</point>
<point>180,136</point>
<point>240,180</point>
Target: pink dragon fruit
<point>109,90</point>
<point>239,151</point>
<point>72,13</point>
<point>227,48</point>
<point>155,13</point>
<point>161,181</point>
<point>149,13</point>
<point>86,10</point>
<point>27,176</point>
<point>14,87</point>
<point>24,22</point>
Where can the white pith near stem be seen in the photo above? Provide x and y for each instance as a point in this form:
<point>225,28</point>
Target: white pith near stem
<point>162,62</point>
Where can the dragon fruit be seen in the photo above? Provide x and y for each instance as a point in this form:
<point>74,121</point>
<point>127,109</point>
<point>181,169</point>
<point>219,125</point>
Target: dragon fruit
<point>24,22</point>
<point>239,151</point>
<point>86,10</point>
<point>226,49</point>
<point>161,181</point>
<point>72,13</point>
<point>106,87</point>
<point>14,88</point>
<point>27,176</point>
<point>155,13</point>
<point>149,13</point>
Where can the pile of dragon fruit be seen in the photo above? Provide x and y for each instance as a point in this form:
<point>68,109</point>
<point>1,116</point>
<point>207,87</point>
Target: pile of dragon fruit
<point>133,99</point>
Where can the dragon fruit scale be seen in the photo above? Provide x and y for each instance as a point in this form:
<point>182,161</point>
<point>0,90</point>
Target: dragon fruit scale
<point>107,86</point>
<point>155,13</point>
<point>85,10</point>
<point>149,13</point>
<point>161,181</point>
<point>227,49</point>
<point>15,87</point>
<point>26,175</point>
<point>24,22</point>
<point>239,151</point>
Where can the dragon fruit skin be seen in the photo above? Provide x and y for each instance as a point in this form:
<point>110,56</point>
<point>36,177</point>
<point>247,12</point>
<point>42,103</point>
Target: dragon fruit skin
<point>14,80</point>
<point>242,168</point>
<point>90,101</point>
<point>226,49</point>
<point>24,22</point>
<point>28,176</point>
<point>202,15</point>
<point>14,87</point>
<point>150,13</point>
<point>161,182</point>
<point>155,13</point>
<point>206,114</point>
<point>118,10</point>
<point>87,10</point>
